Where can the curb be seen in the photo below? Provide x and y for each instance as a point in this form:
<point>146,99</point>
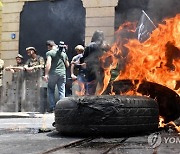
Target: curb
<point>21,115</point>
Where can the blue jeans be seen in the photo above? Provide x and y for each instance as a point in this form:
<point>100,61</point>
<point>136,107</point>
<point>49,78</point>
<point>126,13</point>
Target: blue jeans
<point>54,80</point>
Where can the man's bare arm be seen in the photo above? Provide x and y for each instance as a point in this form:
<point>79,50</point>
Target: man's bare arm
<point>73,76</point>
<point>67,63</point>
<point>47,69</point>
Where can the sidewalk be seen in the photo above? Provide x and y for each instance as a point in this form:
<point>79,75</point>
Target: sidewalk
<point>22,121</point>
<point>20,115</point>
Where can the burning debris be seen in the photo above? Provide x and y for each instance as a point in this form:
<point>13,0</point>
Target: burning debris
<point>152,68</point>
<point>170,126</point>
<point>149,68</point>
<point>172,54</point>
<point>148,60</point>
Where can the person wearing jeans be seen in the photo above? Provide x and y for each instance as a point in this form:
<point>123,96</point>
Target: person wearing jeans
<point>52,82</point>
<point>55,71</point>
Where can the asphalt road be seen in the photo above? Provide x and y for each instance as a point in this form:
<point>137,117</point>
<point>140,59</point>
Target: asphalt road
<point>32,133</point>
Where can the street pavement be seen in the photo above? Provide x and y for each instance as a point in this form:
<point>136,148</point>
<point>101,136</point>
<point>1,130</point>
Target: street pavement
<point>33,133</point>
<point>29,133</point>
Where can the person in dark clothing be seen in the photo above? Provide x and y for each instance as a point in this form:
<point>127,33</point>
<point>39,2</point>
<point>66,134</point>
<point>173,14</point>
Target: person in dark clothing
<point>92,53</point>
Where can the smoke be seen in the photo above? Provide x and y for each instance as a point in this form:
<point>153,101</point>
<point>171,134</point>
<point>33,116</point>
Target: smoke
<point>161,9</point>
<point>157,10</point>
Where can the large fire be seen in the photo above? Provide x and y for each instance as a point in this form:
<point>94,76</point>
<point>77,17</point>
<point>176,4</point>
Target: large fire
<point>156,60</point>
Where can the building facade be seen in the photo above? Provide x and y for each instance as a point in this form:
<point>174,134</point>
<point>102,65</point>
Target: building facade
<point>100,14</point>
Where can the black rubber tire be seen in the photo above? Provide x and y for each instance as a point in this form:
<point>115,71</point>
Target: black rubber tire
<point>106,115</point>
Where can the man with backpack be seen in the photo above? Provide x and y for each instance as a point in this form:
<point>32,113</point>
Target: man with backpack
<point>55,71</point>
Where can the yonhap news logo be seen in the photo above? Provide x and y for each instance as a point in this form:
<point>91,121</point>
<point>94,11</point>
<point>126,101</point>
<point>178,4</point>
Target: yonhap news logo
<point>155,140</point>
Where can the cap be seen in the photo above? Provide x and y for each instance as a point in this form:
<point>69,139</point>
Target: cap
<point>30,48</point>
<point>19,56</point>
<point>79,47</point>
<point>61,44</point>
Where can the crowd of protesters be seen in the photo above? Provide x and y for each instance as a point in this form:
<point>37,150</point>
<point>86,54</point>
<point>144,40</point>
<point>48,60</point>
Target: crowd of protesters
<point>84,67</point>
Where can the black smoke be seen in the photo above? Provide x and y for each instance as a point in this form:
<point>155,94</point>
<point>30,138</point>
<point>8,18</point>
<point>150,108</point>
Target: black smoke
<point>157,10</point>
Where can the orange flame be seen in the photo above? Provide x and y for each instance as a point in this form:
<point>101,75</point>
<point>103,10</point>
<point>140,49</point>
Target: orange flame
<point>177,128</point>
<point>161,122</point>
<point>171,123</point>
<point>155,60</point>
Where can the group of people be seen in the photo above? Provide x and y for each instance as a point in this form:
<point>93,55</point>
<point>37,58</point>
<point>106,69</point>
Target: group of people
<point>84,67</point>
<point>55,68</point>
<point>90,72</point>
<point>34,62</point>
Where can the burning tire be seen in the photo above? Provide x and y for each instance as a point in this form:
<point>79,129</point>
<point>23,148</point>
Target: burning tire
<point>168,100</point>
<point>106,115</point>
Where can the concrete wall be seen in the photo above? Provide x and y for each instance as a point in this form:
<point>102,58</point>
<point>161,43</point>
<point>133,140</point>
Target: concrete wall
<point>0,26</point>
<point>99,15</point>
<point>10,24</point>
